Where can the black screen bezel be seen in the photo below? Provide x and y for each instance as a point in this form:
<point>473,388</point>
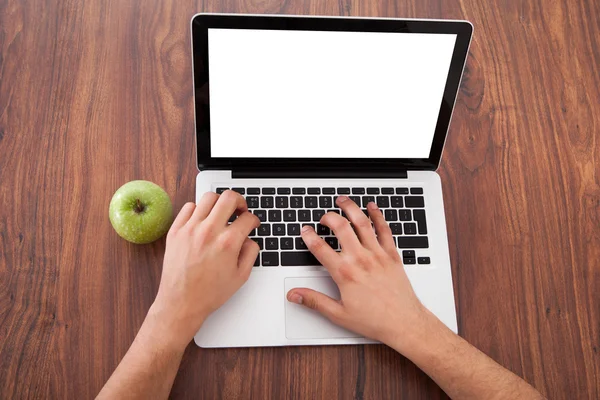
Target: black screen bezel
<point>200,24</point>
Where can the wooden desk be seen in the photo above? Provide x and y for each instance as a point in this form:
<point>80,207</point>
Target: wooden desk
<point>96,93</point>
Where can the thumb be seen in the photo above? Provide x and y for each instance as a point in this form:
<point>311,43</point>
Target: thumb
<point>317,301</point>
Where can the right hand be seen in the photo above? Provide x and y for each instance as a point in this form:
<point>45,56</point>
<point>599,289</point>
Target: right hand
<point>377,300</point>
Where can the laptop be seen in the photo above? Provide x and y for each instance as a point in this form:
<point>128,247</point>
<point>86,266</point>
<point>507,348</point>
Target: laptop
<point>292,112</point>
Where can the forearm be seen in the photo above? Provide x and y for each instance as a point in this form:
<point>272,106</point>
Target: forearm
<point>149,366</point>
<point>461,370</point>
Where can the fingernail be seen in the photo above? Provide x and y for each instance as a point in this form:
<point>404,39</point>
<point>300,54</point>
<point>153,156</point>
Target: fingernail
<point>296,298</point>
<point>372,205</point>
<point>305,228</point>
<point>342,199</point>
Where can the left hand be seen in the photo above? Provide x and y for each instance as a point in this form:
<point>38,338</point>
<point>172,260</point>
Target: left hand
<point>206,262</point>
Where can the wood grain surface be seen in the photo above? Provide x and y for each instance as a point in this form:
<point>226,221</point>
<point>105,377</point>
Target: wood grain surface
<point>94,93</point>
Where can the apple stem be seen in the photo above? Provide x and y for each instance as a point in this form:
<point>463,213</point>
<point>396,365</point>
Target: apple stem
<point>139,206</point>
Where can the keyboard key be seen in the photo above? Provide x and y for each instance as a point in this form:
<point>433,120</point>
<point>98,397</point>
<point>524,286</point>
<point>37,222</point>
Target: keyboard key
<point>304,215</point>
<point>391,215</point>
<point>421,223</point>
<point>296,202</point>
<point>272,243</point>
<point>404,215</point>
<point>325,202</point>
<point>397,202</point>
<point>334,211</point>
<point>232,218</point>
<point>314,190</point>
<point>424,260</point>
<point>286,243</point>
<point>239,190</point>
<point>298,258</point>
<point>264,230</point>
<point>372,190</point>
<point>309,224</point>
<point>323,230</point>
<point>358,190</point>
<point>409,261</point>
<point>311,201</point>
<point>261,214</point>
<point>317,215</point>
<point>270,259</point>
<point>300,245</point>
<point>268,190</point>
<point>298,190</point>
<point>253,191</point>
<point>355,199</point>
<point>413,242</point>
<point>332,242</point>
<point>367,199</point>
<point>414,201</point>
<point>416,190</point>
<point>396,228</point>
<point>274,215</point>
<point>252,232</point>
<point>279,229</point>
<point>266,202</point>
<point>410,228</point>
<point>259,241</point>
<point>387,191</point>
<point>343,190</point>
<point>401,190</point>
<point>293,229</point>
<point>329,190</point>
<point>284,190</point>
<point>408,253</point>
<point>383,201</point>
<point>252,201</point>
<point>221,190</point>
<point>281,202</point>
<point>257,261</point>
<point>289,215</point>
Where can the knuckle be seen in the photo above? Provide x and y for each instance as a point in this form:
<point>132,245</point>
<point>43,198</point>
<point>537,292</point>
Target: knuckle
<point>316,244</point>
<point>362,258</point>
<point>227,241</point>
<point>311,303</point>
<point>362,223</point>
<point>346,272</point>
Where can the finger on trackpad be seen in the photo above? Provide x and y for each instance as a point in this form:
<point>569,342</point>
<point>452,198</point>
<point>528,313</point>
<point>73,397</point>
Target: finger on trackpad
<point>304,323</point>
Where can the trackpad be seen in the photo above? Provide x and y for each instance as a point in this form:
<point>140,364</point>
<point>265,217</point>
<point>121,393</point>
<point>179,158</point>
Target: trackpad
<point>304,323</point>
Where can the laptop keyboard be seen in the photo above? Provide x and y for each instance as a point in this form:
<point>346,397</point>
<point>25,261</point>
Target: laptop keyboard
<point>283,211</point>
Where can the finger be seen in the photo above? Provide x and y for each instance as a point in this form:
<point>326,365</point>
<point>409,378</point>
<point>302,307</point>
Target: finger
<point>317,301</point>
<point>229,203</point>
<point>243,225</point>
<point>204,206</point>
<point>342,230</point>
<point>248,255</point>
<point>362,224</point>
<point>184,215</point>
<point>384,233</point>
<point>320,249</point>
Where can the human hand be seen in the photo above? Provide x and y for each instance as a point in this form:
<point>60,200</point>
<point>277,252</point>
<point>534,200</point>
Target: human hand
<point>206,262</point>
<point>377,299</point>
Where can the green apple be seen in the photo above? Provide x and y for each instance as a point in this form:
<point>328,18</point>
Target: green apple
<point>140,212</point>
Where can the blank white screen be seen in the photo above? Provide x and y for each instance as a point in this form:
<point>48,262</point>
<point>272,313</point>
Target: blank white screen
<point>318,94</point>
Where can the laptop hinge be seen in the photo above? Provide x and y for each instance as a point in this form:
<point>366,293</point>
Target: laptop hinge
<point>319,174</point>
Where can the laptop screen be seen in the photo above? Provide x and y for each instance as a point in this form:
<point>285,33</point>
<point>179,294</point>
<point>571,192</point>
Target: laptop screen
<point>325,94</point>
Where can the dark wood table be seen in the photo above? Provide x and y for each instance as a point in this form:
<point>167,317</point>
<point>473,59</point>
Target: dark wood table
<point>96,93</point>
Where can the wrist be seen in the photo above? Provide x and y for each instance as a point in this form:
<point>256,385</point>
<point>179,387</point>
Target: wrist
<point>412,338</point>
<point>166,328</point>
